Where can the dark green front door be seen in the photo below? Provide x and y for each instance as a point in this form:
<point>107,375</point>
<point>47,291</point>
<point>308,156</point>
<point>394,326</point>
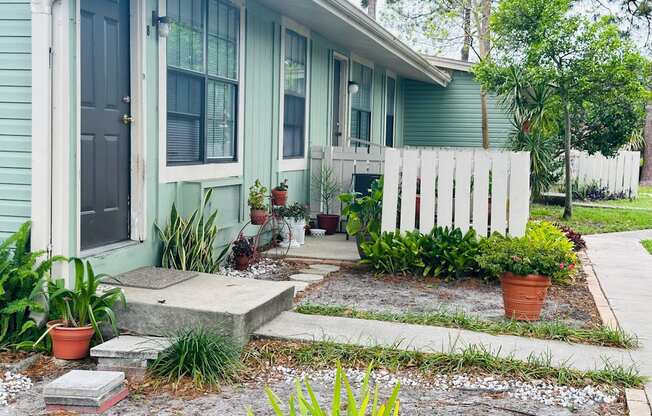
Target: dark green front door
<point>105,112</point>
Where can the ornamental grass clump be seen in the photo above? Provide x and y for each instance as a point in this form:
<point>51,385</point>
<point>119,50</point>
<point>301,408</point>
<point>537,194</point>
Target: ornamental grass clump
<point>204,355</point>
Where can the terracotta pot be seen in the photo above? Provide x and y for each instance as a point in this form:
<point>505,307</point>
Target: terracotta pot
<point>279,197</point>
<point>70,343</point>
<point>523,296</point>
<point>328,222</point>
<point>242,263</point>
<point>258,216</point>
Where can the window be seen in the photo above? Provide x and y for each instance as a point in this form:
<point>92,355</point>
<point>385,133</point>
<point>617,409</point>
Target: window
<point>294,98</point>
<point>361,103</point>
<point>202,83</point>
<point>389,116</point>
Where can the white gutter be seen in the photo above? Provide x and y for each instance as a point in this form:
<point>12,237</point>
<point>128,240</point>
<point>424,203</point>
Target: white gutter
<point>385,38</point>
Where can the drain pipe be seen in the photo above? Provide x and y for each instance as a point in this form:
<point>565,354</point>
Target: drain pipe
<point>41,203</point>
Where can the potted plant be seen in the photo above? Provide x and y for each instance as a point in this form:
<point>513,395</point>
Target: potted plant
<point>81,312</point>
<point>243,251</point>
<point>295,215</point>
<point>527,266</point>
<point>326,186</point>
<point>363,213</point>
<point>256,201</point>
<point>280,193</point>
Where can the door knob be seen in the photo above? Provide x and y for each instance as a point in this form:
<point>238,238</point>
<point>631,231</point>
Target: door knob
<point>127,119</point>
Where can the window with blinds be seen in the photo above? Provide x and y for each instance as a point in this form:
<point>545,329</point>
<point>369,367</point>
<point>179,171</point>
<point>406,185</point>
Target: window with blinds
<point>202,84</point>
<point>294,98</point>
<point>361,102</point>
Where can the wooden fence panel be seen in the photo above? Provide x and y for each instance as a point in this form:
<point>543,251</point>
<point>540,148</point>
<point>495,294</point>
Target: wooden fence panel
<point>428,184</point>
<point>481,192</point>
<point>618,174</point>
<point>499,178</point>
<point>519,192</point>
<point>390,189</point>
<point>445,177</point>
<point>463,167</point>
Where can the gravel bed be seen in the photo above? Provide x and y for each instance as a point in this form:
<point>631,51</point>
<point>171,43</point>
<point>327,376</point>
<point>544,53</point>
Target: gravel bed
<point>364,291</point>
<point>264,269</point>
<point>12,385</point>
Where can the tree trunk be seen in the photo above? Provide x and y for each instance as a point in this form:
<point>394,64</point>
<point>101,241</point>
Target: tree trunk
<point>568,204</point>
<point>485,47</point>
<point>468,36</point>
<point>646,175</point>
<point>371,8</point>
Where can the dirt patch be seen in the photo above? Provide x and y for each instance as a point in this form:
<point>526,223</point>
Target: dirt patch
<point>363,291</point>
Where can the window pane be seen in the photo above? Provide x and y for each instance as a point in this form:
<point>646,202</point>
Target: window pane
<point>391,94</point>
<point>294,107</point>
<point>363,76</point>
<point>184,100</point>
<point>185,45</point>
<point>223,30</point>
<point>295,63</point>
<point>293,126</point>
<point>221,119</point>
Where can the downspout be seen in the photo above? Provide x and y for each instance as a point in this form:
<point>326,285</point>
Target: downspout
<point>41,188</point>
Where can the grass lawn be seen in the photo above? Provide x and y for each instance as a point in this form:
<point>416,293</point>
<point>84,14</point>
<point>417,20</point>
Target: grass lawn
<point>648,245</point>
<point>595,220</point>
<point>644,200</point>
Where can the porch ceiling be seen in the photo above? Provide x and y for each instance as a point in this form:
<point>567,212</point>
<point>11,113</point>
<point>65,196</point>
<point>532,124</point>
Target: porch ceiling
<point>346,25</point>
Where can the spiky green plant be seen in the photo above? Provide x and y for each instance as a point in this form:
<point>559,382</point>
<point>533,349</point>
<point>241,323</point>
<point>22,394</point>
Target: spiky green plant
<point>83,304</point>
<point>309,405</point>
<point>22,274</point>
<point>189,244</point>
<point>205,355</point>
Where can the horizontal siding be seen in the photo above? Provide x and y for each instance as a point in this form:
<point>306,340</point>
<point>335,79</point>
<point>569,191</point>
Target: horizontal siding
<point>15,115</point>
<point>450,116</point>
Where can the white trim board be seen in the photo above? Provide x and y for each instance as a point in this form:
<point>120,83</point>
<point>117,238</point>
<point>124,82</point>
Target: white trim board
<point>208,171</point>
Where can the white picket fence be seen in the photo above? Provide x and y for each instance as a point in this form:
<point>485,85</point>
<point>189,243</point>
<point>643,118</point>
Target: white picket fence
<point>480,189</point>
<point>618,174</point>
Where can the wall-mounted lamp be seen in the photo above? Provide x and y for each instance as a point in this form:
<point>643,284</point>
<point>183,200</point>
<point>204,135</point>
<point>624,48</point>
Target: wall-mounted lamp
<point>162,23</point>
<point>354,87</point>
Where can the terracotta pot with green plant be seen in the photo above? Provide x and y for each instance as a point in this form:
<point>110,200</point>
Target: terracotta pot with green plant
<point>363,214</point>
<point>527,266</point>
<point>256,201</point>
<point>326,186</point>
<point>280,193</point>
<point>80,312</point>
<point>243,251</point>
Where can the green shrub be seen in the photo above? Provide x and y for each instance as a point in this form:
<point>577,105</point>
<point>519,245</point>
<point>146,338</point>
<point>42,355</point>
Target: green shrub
<point>363,213</point>
<point>257,195</point>
<point>448,253</point>
<point>309,406</point>
<point>22,276</point>
<point>204,355</point>
<point>394,252</point>
<point>189,244</point>
<point>544,250</point>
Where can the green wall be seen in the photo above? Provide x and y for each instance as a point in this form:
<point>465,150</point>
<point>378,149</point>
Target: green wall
<point>15,114</point>
<point>438,116</point>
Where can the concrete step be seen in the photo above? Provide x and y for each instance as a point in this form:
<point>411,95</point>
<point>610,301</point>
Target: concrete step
<point>129,354</point>
<point>85,391</point>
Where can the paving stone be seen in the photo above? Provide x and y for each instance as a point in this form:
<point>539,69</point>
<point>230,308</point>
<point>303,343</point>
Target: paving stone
<point>113,398</point>
<point>131,347</point>
<point>300,286</point>
<point>84,388</point>
<point>326,267</point>
<point>305,277</point>
<point>315,271</point>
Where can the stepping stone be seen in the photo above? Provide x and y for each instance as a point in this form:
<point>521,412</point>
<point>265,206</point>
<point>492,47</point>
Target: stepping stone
<point>315,271</point>
<point>129,354</point>
<point>85,391</point>
<point>330,268</point>
<point>300,286</point>
<point>305,277</point>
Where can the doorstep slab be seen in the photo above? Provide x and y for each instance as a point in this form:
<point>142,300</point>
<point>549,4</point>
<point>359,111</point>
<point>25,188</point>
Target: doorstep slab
<point>84,385</point>
<point>131,347</point>
<point>307,278</point>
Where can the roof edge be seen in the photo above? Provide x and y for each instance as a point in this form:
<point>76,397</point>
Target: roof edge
<point>449,63</point>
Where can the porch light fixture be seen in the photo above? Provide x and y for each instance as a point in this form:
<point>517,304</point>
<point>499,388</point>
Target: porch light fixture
<point>354,87</point>
<point>162,23</point>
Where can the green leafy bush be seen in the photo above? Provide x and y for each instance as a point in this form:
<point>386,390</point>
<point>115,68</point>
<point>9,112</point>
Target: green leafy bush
<point>204,355</point>
<point>309,405</point>
<point>22,276</point>
<point>189,244</point>
<point>363,213</point>
<point>257,195</point>
<point>394,252</point>
<point>84,305</point>
<point>544,250</point>
<point>295,211</point>
<point>448,253</point>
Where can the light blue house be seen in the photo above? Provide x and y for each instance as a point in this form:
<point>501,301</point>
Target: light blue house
<point>110,110</point>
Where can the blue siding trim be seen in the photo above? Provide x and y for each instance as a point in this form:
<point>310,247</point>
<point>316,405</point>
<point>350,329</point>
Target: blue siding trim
<point>450,116</point>
<point>15,115</point>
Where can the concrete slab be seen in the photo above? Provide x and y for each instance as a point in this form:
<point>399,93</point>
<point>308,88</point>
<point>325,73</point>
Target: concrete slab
<point>314,271</point>
<point>233,305</point>
<point>307,278</point>
<point>330,247</point>
<point>429,339</point>
<point>151,278</point>
<point>83,387</point>
<point>330,268</point>
<point>131,347</point>
<point>114,397</point>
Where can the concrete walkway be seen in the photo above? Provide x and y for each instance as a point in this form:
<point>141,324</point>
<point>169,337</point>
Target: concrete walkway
<point>330,247</point>
<point>624,269</point>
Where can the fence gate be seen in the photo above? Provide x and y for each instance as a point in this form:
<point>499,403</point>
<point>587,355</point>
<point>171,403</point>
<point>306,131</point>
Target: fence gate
<point>485,190</point>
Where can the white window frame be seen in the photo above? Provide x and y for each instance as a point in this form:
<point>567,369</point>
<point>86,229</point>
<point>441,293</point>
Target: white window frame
<point>293,164</point>
<point>389,74</point>
<point>369,64</point>
<point>208,171</point>
<point>345,102</point>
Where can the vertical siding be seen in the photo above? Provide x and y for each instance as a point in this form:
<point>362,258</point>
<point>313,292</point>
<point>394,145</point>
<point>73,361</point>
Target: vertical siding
<point>15,114</point>
<point>320,93</point>
<point>378,110</point>
<point>438,116</point>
